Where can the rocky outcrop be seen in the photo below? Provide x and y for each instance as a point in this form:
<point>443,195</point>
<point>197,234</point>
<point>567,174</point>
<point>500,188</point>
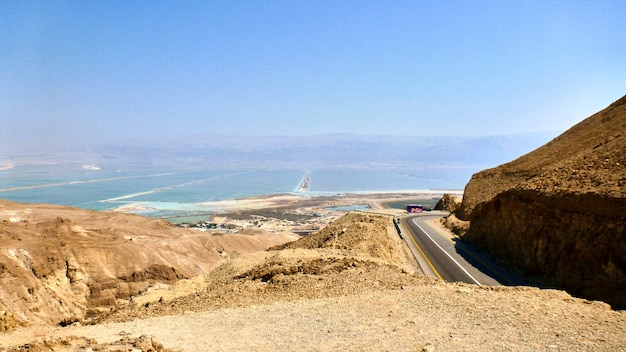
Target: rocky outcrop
<point>61,265</point>
<point>452,223</point>
<point>355,232</point>
<point>74,343</point>
<point>559,212</point>
<point>448,202</point>
<point>8,321</point>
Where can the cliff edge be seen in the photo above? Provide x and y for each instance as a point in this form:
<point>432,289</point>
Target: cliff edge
<point>559,212</point>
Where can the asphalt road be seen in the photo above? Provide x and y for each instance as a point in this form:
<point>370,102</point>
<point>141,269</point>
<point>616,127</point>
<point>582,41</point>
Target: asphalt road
<point>447,258</point>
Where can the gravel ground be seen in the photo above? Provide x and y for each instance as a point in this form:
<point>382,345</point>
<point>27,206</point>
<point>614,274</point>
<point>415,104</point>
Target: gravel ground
<point>429,316</point>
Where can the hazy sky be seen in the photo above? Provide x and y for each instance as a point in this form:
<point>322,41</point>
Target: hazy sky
<point>89,70</point>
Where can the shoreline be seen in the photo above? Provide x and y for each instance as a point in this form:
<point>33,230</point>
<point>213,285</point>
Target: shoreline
<point>281,200</point>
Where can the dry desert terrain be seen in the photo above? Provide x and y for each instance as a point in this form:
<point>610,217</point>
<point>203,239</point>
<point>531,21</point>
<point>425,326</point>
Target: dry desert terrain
<point>352,285</point>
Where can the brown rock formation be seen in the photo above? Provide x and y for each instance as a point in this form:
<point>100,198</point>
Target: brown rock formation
<point>60,265</point>
<point>350,286</point>
<point>559,212</point>
<point>448,203</point>
<point>74,343</point>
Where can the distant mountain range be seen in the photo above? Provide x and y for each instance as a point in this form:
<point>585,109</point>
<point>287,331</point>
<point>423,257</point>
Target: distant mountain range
<point>458,157</point>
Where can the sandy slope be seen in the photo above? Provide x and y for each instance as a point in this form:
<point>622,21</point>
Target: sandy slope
<point>350,287</point>
<point>449,317</point>
<point>60,264</point>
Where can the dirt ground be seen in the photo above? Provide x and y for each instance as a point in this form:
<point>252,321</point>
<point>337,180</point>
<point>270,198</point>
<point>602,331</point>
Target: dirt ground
<point>350,286</point>
<point>447,317</point>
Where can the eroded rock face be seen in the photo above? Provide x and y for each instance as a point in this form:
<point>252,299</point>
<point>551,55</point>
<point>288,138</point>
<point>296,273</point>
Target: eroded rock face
<point>61,265</point>
<point>559,212</point>
<point>448,203</point>
<point>559,239</point>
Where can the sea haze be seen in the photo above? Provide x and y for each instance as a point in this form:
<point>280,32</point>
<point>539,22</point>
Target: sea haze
<point>171,175</point>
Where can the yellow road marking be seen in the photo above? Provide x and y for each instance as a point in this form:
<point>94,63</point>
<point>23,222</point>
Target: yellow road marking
<point>425,257</point>
<point>448,254</point>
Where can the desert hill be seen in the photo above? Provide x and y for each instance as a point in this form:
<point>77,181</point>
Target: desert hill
<point>59,264</point>
<point>350,286</point>
<point>559,212</point>
<point>355,254</point>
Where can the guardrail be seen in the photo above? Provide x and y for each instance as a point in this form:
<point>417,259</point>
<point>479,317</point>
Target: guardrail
<point>396,222</point>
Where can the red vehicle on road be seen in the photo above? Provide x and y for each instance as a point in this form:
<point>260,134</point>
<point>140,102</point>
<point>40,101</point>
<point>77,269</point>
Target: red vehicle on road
<point>414,208</point>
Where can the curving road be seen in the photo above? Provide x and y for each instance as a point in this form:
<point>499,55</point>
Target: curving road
<point>445,257</point>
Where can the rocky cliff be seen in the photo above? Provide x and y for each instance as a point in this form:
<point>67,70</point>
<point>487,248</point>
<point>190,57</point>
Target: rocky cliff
<point>559,212</point>
<point>448,203</point>
<point>60,265</point>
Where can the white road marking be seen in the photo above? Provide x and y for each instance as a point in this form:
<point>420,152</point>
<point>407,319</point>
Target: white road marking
<point>448,254</point>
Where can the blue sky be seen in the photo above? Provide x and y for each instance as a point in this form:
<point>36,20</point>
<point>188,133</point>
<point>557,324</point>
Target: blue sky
<point>95,70</point>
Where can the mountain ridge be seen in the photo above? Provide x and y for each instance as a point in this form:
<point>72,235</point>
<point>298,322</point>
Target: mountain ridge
<point>559,212</point>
